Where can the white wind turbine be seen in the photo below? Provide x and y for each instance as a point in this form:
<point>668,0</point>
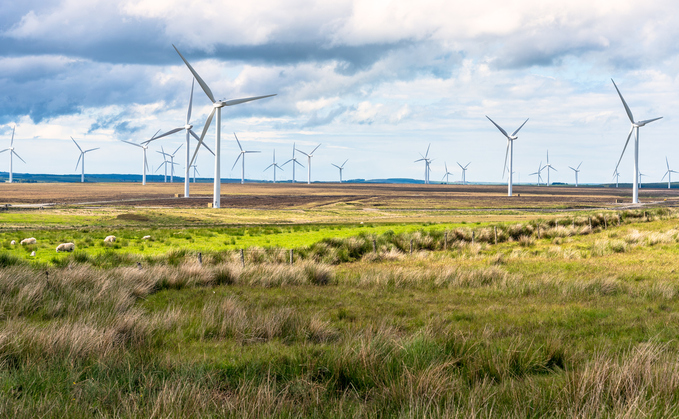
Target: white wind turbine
<point>426,161</point>
<point>576,170</point>
<point>464,172</point>
<point>82,157</point>
<point>294,162</point>
<point>635,125</point>
<point>509,153</point>
<point>11,153</point>
<point>538,173</point>
<point>448,173</point>
<point>242,157</point>
<point>195,170</point>
<point>668,173</point>
<point>640,175</point>
<point>172,163</point>
<point>548,167</point>
<point>274,165</point>
<point>144,164</point>
<point>217,106</point>
<point>189,132</point>
<point>341,168</point>
<point>309,156</point>
<point>616,176</point>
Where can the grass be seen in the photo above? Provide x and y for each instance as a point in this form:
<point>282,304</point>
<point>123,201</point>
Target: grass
<point>552,321</point>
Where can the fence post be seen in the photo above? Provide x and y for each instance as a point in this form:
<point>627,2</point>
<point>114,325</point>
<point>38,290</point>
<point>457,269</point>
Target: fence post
<point>495,229</point>
<point>242,258</point>
<point>411,246</point>
<point>645,216</point>
<point>445,240</point>
<point>291,257</point>
<point>374,246</point>
<point>200,258</point>
<point>472,238</point>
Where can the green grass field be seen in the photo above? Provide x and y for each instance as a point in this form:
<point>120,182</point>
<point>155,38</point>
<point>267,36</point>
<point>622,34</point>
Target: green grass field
<point>557,319</point>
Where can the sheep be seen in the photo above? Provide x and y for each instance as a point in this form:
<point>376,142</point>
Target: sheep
<point>33,253</point>
<point>30,240</point>
<point>13,242</point>
<point>110,239</point>
<point>146,238</point>
<point>66,247</point>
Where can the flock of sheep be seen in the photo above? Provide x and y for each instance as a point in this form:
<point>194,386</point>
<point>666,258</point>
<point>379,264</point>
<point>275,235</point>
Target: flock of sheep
<point>67,247</point>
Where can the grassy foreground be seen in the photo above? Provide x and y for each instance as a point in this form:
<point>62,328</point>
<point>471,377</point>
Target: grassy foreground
<point>557,319</point>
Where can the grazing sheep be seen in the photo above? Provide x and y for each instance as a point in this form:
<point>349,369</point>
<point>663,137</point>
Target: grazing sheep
<point>146,238</point>
<point>110,239</point>
<point>66,247</point>
<point>13,242</point>
<point>33,253</point>
<point>30,240</point>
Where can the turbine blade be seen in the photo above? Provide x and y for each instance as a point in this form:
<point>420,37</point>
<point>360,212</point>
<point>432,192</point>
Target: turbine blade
<point>91,149</point>
<point>170,132</point>
<point>312,151</point>
<point>299,163</point>
<point>2,151</point>
<point>458,163</point>
<point>188,114</point>
<point>499,127</point>
<point>648,121</point>
<point>287,162</point>
<point>427,153</point>
<point>268,167</point>
<point>15,153</point>
<point>572,169</point>
<point>519,128</point>
<point>629,112</point>
<point>465,168</point>
<point>419,160</point>
<point>251,151</point>
<point>668,163</point>
<point>247,99</point>
<point>303,152</point>
<point>239,146</point>
<point>579,165</point>
<point>335,165</point>
<point>204,145</point>
<point>175,152</point>
<point>506,155</point>
<point>663,178</point>
<point>202,136</point>
<point>78,162</point>
<point>202,84</point>
<point>129,142</point>
<point>11,143</point>
<point>237,158</point>
<point>345,162</point>
<point>76,144</point>
<point>624,148</point>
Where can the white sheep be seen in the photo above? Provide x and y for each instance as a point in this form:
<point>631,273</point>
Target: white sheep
<point>110,239</point>
<point>33,253</point>
<point>30,240</point>
<point>66,247</point>
<point>146,238</point>
<point>13,242</point>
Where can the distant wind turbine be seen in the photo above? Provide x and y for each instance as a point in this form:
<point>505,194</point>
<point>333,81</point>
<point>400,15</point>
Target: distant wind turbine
<point>217,106</point>
<point>616,176</point>
<point>294,161</point>
<point>640,175</point>
<point>12,153</point>
<point>82,157</point>
<point>308,168</point>
<point>635,126</point>
<point>241,156</point>
<point>538,173</point>
<point>668,173</point>
<point>274,165</point>
<point>448,173</point>
<point>195,170</point>
<point>172,163</point>
<point>464,172</point>
<point>576,170</point>
<point>548,167</point>
<point>144,164</point>
<point>341,168</point>
<point>427,161</point>
<point>509,153</point>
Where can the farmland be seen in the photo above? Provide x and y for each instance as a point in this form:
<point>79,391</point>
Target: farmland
<point>401,300</point>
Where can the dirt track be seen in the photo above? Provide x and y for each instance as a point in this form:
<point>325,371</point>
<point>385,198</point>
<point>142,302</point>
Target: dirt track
<point>286,196</point>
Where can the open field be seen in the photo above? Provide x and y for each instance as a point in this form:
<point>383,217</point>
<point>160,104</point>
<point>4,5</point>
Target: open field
<point>402,305</point>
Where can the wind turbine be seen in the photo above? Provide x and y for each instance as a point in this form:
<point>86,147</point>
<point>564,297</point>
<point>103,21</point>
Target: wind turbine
<point>11,153</point>
<point>426,161</point>
<point>576,170</point>
<point>82,156</point>
<point>144,164</point>
<point>635,125</point>
<point>509,153</point>
<point>538,173</point>
<point>448,173</point>
<point>294,162</point>
<point>548,167</point>
<point>195,170</point>
<point>309,156</point>
<point>217,106</point>
<point>172,163</point>
<point>274,165</point>
<point>640,175</point>
<point>464,172</point>
<point>341,168</point>
<point>668,173</point>
<point>242,154</point>
<point>616,176</point>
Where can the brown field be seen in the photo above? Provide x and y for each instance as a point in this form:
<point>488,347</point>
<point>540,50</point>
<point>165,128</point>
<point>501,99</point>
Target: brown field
<point>324,195</point>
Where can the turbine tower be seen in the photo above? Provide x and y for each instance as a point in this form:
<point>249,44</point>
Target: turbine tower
<point>635,126</point>
<point>217,106</point>
<point>11,153</point>
<point>242,154</point>
<point>548,167</point>
<point>448,173</point>
<point>294,162</point>
<point>309,156</point>
<point>509,153</point>
<point>668,173</point>
<point>538,173</point>
<point>464,172</point>
<point>616,176</point>
<point>144,163</point>
<point>274,165</point>
<point>189,132</point>
<point>82,156</point>
<point>341,168</point>
<point>576,170</point>
<point>426,161</point>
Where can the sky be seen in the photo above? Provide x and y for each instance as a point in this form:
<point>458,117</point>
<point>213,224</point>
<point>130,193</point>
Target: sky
<point>375,82</point>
